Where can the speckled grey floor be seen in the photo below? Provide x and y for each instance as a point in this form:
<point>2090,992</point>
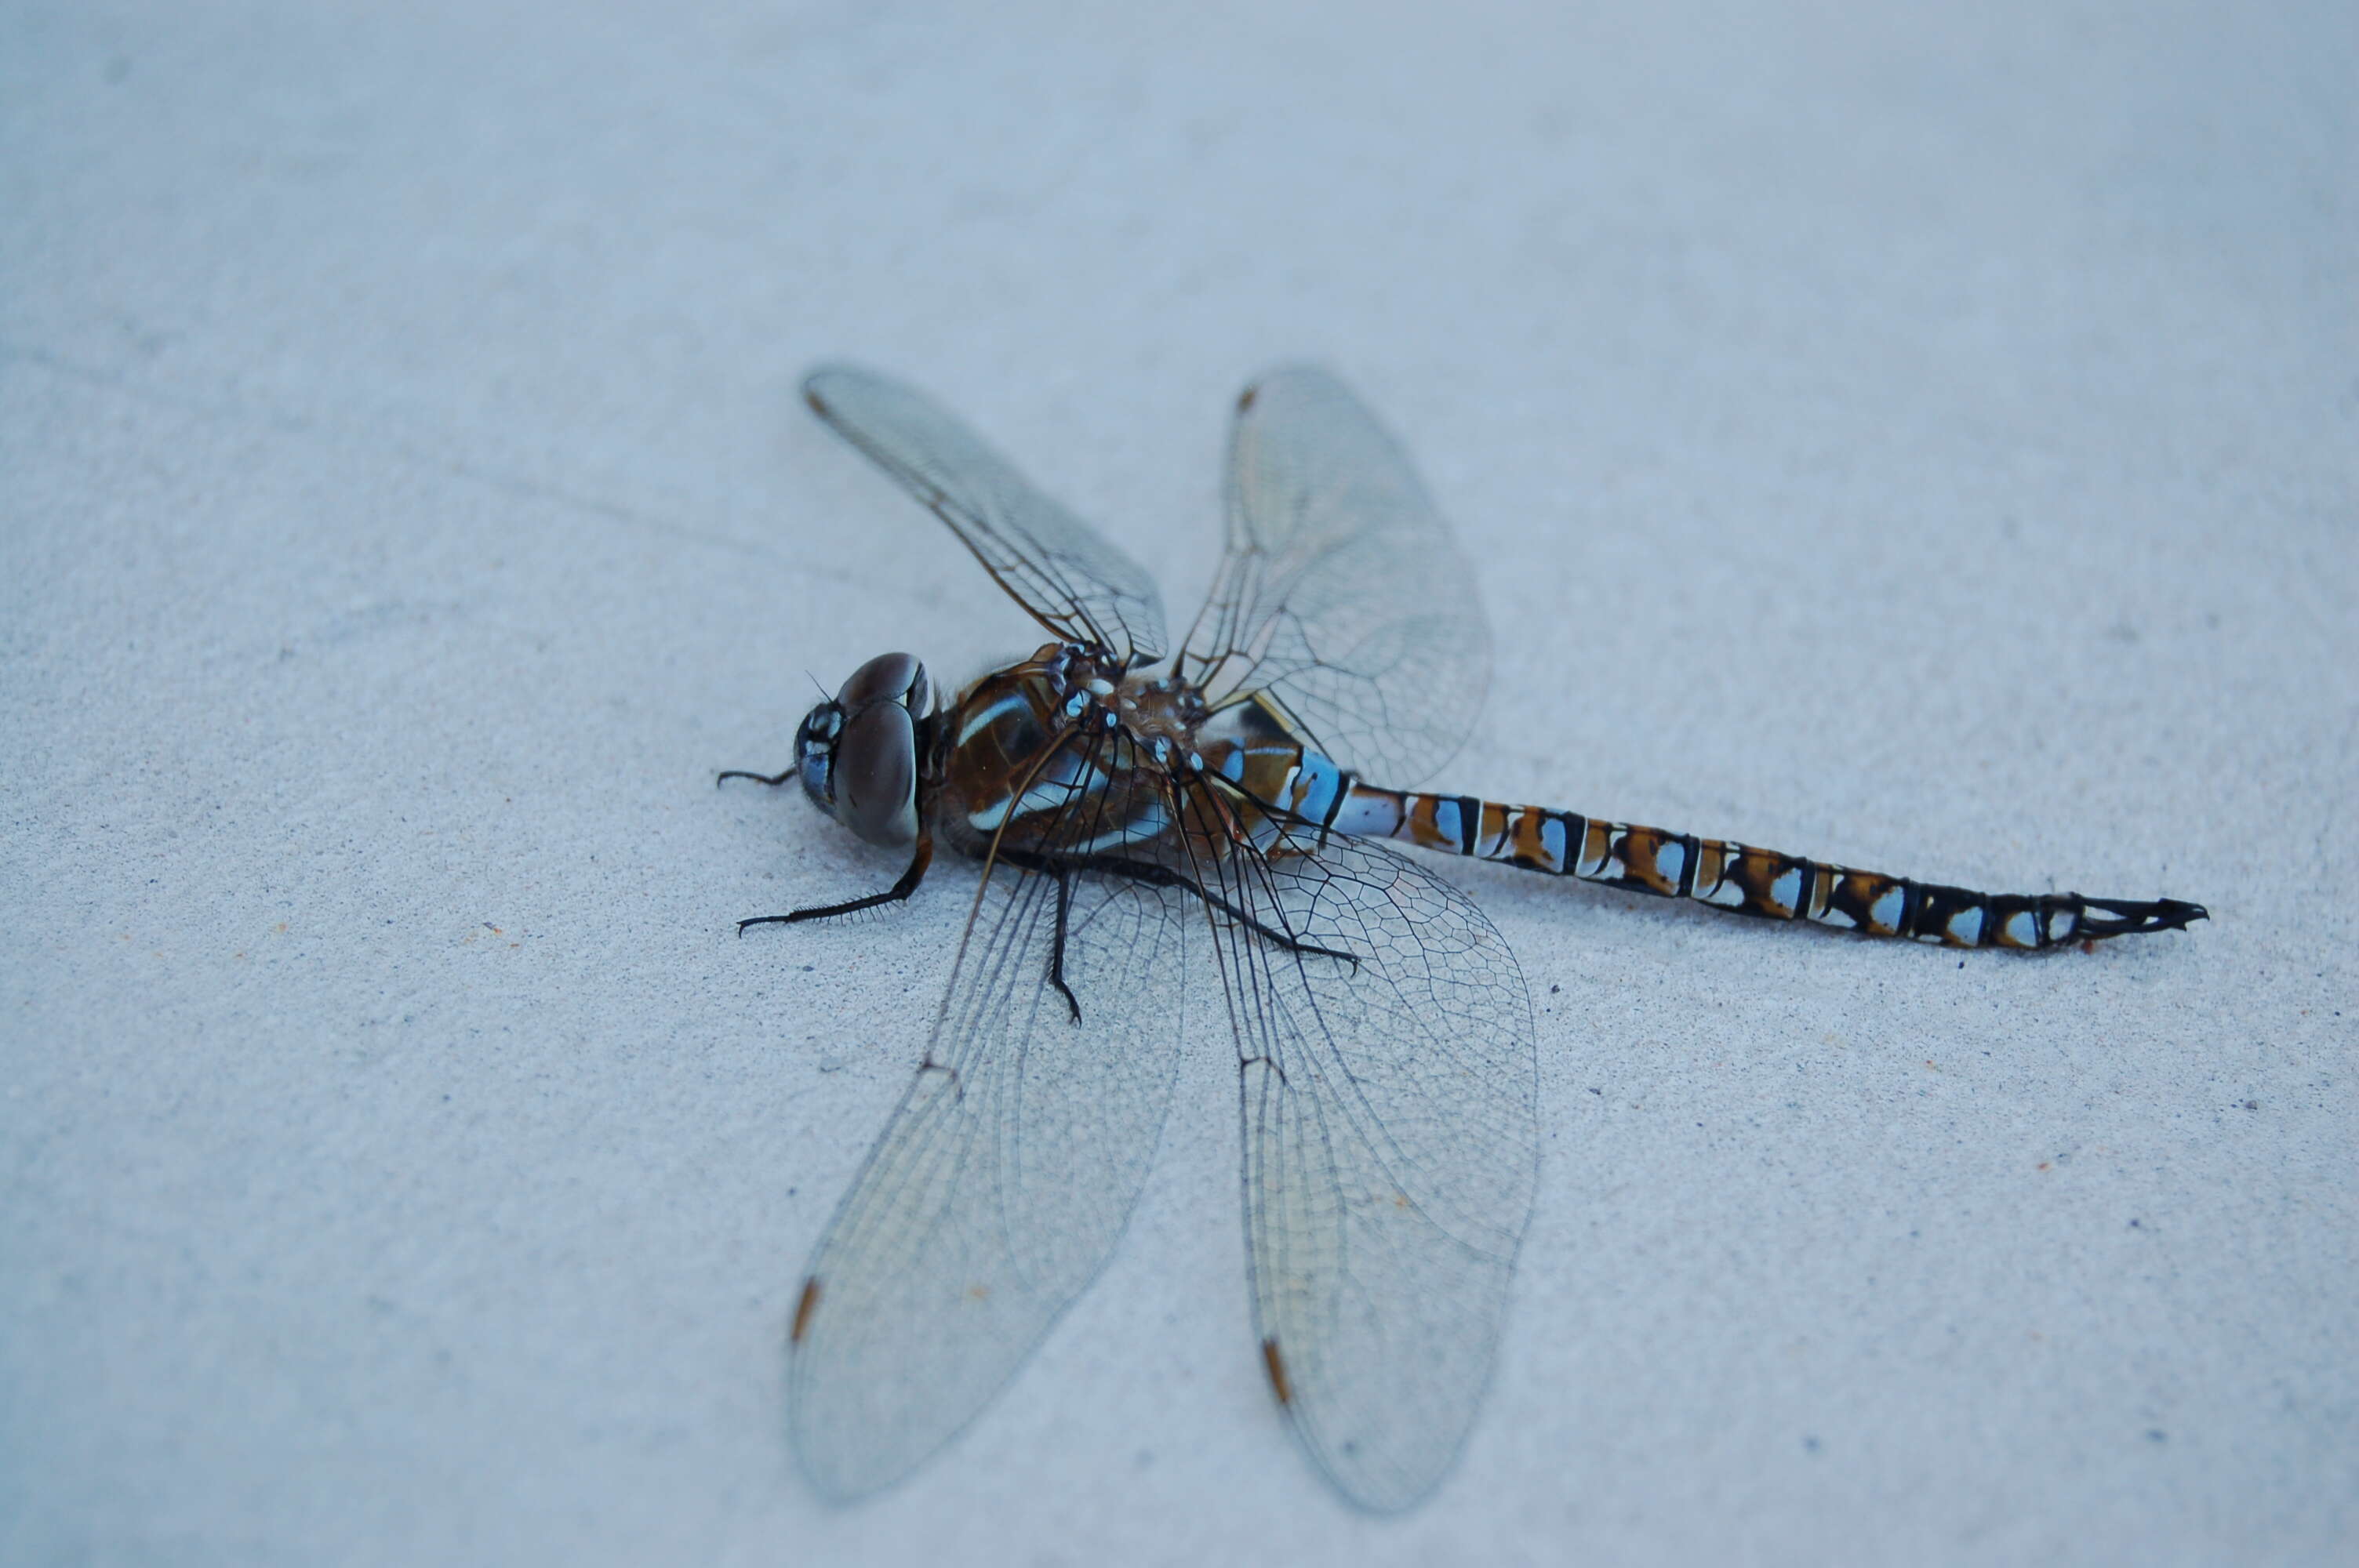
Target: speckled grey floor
<point>1924,441</point>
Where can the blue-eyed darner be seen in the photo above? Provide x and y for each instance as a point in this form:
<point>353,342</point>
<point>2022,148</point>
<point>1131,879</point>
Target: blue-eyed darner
<point>1156,826</point>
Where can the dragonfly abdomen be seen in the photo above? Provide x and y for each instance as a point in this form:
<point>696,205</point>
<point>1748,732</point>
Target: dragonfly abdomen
<point>1765,884</point>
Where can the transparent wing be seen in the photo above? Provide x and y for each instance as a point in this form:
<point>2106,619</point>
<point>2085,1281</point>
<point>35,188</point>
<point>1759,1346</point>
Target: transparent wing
<point>1056,566</point>
<point>1341,593</point>
<point>999,1186</point>
<point>1391,1147</point>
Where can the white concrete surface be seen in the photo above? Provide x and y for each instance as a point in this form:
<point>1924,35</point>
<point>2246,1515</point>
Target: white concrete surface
<point>1920,437</point>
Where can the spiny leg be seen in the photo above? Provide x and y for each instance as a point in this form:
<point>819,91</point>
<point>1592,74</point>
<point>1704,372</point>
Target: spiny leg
<point>894,895</point>
<point>1164,876</point>
<point>1057,951</point>
<point>1094,804</point>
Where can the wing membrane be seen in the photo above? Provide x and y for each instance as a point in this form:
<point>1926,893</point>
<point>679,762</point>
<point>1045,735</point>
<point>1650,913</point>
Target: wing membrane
<point>1341,593</point>
<point>1391,1149</point>
<point>1388,1098</point>
<point>1056,566</point>
<point>999,1186</point>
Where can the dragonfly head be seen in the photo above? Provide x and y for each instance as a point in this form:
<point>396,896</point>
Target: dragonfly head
<point>857,753</point>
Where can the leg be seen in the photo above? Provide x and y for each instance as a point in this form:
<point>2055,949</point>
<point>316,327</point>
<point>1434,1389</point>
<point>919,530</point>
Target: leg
<point>894,895</point>
<point>1164,877</point>
<point>1057,952</point>
<point>759,778</point>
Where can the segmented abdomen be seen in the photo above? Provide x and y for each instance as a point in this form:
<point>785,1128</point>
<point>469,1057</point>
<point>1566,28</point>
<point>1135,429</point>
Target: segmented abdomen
<point>1766,883</point>
<point>1252,749</point>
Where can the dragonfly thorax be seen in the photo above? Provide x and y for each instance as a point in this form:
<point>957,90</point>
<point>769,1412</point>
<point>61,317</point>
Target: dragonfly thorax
<point>857,753</point>
<point>1068,751</point>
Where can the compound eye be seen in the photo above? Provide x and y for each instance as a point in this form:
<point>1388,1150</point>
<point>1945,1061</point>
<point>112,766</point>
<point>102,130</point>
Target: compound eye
<point>897,678</point>
<point>876,774</point>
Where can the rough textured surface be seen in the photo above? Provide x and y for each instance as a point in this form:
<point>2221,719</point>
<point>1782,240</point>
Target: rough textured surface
<point>1921,439</point>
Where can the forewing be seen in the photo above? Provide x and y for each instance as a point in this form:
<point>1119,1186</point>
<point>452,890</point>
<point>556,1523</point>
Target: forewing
<point>1391,1146</point>
<point>1341,593</point>
<point>1056,566</point>
<point>1000,1184</point>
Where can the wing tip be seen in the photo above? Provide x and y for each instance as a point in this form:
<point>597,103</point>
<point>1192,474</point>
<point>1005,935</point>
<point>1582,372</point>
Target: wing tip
<point>816,382</point>
<point>1309,371</point>
<point>840,1483</point>
<point>827,379</point>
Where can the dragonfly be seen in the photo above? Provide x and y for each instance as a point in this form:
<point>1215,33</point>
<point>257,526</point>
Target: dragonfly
<point>1211,827</point>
